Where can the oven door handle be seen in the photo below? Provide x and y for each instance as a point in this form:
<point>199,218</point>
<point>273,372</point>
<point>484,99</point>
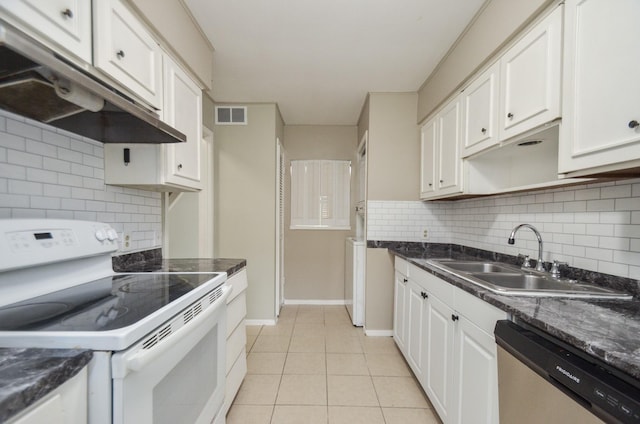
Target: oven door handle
<point>143,357</point>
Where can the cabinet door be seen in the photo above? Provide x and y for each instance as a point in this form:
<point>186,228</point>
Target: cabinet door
<point>475,376</point>
<point>530,72</point>
<point>601,89</point>
<point>183,111</point>
<point>480,112</point>
<point>416,299</point>
<point>428,158</point>
<point>439,367</point>
<point>125,50</point>
<point>67,23</point>
<point>399,311</point>
<point>449,166</point>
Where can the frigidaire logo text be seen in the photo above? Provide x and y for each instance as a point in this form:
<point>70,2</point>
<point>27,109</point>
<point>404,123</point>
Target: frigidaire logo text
<point>568,374</point>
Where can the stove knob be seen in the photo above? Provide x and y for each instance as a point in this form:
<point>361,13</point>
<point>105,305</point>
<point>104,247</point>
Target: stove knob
<point>112,234</point>
<point>101,235</point>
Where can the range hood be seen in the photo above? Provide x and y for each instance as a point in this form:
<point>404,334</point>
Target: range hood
<point>37,83</point>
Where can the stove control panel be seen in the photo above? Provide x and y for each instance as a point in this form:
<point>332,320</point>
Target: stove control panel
<point>29,242</point>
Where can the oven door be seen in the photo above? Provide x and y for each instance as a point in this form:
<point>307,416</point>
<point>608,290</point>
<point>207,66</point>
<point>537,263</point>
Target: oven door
<point>177,373</point>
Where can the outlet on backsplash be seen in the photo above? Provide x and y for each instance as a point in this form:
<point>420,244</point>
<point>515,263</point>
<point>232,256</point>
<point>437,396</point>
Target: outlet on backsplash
<point>126,240</point>
<point>425,233</point>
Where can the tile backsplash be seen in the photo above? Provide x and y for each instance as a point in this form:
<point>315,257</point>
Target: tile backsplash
<point>49,173</point>
<point>593,226</point>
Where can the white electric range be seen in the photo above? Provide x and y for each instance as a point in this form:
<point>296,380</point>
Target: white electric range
<point>158,338</point>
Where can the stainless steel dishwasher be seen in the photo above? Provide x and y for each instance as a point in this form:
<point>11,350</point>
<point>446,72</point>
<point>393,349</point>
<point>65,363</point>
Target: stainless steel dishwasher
<point>543,381</point>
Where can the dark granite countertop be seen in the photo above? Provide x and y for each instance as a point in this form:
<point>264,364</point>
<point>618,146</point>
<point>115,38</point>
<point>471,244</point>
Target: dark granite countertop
<point>138,263</point>
<point>605,329</point>
<point>27,375</point>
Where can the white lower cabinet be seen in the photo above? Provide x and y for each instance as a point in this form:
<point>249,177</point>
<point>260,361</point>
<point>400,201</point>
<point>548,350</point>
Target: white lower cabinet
<point>236,354</point>
<point>449,345</point>
<point>438,376</point>
<point>67,404</point>
<point>399,310</point>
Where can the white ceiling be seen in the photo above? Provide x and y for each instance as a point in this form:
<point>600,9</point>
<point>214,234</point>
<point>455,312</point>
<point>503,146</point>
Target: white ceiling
<point>319,58</point>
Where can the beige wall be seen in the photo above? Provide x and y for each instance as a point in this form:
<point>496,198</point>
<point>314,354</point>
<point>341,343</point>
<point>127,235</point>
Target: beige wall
<point>492,28</point>
<point>208,111</point>
<point>245,201</point>
<point>393,154</point>
<point>379,290</point>
<point>180,32</point>
<point>314,259</point>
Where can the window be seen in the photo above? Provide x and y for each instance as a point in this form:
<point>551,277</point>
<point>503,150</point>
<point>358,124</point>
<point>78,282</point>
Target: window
<point>320,194</point>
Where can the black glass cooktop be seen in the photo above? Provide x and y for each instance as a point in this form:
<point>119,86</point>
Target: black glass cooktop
<point>105,304</point>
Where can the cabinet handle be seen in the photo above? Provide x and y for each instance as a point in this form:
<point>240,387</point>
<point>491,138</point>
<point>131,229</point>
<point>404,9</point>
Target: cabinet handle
<point>634,124</point>
<point>454,317</point>
<point>179,166</point>
<point>484,131</point>
<point>441,181</point>
<point>120,54</point>
<point>67,13</point>
<point>424,295</point>
<point>430,184</point>
<point>404,280</point>
<point>510,115</point>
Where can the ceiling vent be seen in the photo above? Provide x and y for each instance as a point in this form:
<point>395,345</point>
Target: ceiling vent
<point>231,115</point>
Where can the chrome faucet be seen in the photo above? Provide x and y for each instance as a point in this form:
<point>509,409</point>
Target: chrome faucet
<point>512,240</point>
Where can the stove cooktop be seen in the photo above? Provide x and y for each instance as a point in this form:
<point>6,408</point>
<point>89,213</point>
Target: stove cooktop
<point>121,308</point>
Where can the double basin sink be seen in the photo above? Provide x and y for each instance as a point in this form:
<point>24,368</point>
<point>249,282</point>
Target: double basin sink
<point>510,280</point>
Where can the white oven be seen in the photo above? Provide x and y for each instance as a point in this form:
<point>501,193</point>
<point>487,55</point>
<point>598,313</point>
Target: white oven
<point>158,338</point>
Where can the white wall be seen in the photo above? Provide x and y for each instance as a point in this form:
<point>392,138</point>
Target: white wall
<point>594,227</point>
<point>50,173</point>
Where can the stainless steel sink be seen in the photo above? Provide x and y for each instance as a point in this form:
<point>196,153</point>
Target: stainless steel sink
<point>510,280</point>
<point>479,267</point>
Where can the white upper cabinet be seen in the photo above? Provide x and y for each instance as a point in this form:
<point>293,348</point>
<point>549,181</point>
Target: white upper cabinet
<point>67,23</point>
<point>530,74</point>
<point>601,109</point>
<point>428,158</point>
<point>164,167</point>
<point>126,50</point>
<point>183,111</point>
<point>480,112</point>
<point>441,166</point>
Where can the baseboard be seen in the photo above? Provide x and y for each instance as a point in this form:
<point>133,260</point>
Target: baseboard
<point>260,322</point>
<point>378,333</point>
<point>327,302</point>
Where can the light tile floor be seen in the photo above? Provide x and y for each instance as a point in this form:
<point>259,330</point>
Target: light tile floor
<point>315,367</point>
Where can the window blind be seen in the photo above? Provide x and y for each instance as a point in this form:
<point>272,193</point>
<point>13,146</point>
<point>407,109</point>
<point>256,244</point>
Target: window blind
<point>320,194</point>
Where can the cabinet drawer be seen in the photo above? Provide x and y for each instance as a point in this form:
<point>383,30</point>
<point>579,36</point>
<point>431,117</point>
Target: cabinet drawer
<point>402,266</point>
<point>236,344</point>
<point>236,311</point>
<point>234,380</point>
<point>238,283</point>
<point>479,312</point>
<point>434,285</point>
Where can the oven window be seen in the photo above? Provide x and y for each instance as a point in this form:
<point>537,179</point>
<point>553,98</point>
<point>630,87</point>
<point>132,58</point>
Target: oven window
<point>182,394</point>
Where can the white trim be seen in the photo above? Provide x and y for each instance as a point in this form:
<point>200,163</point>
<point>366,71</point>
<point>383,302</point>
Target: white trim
<point>378,333</point>
<point>259,322</point>
<point>327,302</point>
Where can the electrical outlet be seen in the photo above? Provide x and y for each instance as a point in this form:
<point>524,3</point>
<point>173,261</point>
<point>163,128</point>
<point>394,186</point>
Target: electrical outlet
<point>126,240</point>
<point>425,233</point>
